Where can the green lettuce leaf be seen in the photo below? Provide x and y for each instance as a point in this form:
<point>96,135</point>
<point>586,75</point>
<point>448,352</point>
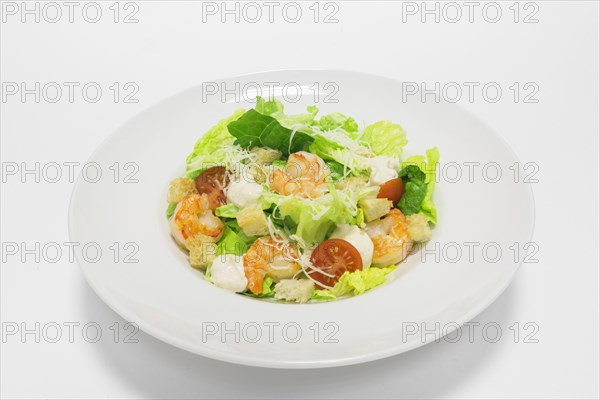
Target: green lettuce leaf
<point>385,138</point>
<point>336,120</point>
<point>255,129</point>
<point>208,148</point>
<point>268,107</point>
<point>336,171</point>
<point>274,108</point>
<point>326,147</point>
<point>207,274</point>
<point>354,283</point>
<point>360,217</point>
<point>268,289</point>
<point>415,189</point>
<point>428,206</point>
<point>279,163</point>
<point>333,149</point>
<point>227,211</point>
<point>233,240</point>
<point>171,210</point>
<point>231,243</point>
<point>313,219</point>
<point>322,295</point>
<point>423,183</point>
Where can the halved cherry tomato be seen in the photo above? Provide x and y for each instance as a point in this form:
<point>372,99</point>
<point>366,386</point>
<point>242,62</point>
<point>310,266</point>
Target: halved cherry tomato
<point>212,182</point>
<point>392,190</point>
<point>334,257</point>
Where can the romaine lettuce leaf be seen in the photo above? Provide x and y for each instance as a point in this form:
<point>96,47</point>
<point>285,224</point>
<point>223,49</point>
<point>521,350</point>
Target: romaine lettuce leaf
<point>213,140</point>
<point>274,108</point>
<point>418,173</point>
<point>322,295</point>
<point>336,171</point>
<point>268,289</point>
<point>255,129</point>
<point>268,107</point>
<point>233,240</point>
<point>325,146</point>
<point>360,217</point>
<point>227,211</point>
<point>354,283</point>
<point>279,163</point>
<point>333,150</point>
<point>313,229</point>
<point>171,210</point>
<point>313,218</point>
<point>231,243</point>
<point>385,138</point>
<point>336,120</point>
<point>428,207</point>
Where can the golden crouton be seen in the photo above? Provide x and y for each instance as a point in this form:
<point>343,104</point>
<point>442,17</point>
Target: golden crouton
<point>375,208</point>
<point>298,290</point>
<point>202,250</point>
<point>179,188</point>
<point>253,222</point>
<point>418,227</point>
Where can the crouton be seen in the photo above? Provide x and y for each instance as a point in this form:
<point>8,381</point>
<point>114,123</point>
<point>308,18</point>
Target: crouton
<point>202,251</point>
<point>253,221</point>
<point>375,208</point>
<point>297,290</point>
<point>418,227</point>
<point>179,188</point>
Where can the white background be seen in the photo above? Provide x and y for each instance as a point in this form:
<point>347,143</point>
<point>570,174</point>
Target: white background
<point>171,49</point>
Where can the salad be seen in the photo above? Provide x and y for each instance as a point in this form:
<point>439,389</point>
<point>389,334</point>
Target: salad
<point>300,208</point>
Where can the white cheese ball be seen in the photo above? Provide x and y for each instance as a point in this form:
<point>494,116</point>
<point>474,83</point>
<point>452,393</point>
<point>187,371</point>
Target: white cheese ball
<point>227,272</point>
<point>383,169</point>
<point>243,193</point>
<point>357,238</point>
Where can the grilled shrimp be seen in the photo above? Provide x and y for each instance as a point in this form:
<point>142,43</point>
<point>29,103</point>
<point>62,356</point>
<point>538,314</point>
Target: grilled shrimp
<point>272,257</point>
<point>193,217</point>
<point>304,176</point>
<point>390,238</point>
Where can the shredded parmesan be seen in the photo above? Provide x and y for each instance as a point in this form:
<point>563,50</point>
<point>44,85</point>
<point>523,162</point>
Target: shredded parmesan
<point>308,268</point>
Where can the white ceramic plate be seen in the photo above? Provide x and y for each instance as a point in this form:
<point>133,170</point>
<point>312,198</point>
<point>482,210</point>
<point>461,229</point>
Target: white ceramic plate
<point>437,289</point>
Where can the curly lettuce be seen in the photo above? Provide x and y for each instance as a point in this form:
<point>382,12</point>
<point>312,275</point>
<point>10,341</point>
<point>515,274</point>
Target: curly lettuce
<point>274,108</point>
<point>336,120</point>
<point>385,138</point>
<point>209,149</point>
<point>336,147</point>
<point>354,283</point>
<point>311,220</point>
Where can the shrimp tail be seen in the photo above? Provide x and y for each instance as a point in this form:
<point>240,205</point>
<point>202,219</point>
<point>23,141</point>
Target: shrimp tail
<point>255,278</point>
